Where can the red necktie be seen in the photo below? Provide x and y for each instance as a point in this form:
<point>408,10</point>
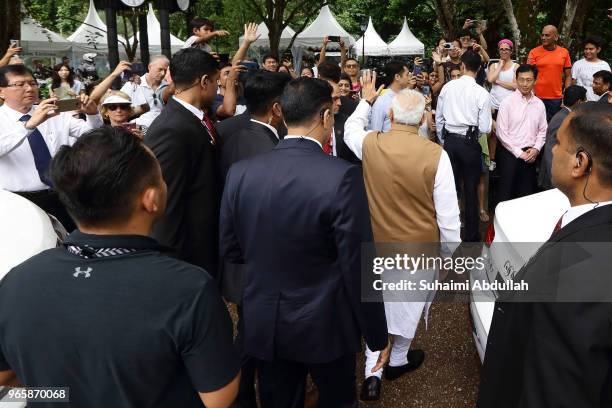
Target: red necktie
<point>211,129</point>
<point>328,148</point>
<point>558,226</point>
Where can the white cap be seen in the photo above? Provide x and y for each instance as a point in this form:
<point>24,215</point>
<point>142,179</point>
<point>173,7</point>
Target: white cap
<point>116,99</point>
<point>89,56</point>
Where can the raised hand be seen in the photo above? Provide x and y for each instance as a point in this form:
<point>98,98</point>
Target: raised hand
<point>221,33</point>
<point>368,86</point>
<point>90,107</point>
<point>45,110</point>
<point>250,32</point>
<point>13,49</point>
<point>121,66</point>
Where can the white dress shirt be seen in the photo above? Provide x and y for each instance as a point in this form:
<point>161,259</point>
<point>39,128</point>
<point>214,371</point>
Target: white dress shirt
<point>579,210</point>
<point>17,169</point>
<point>463,103</point>
<point>199,113</point>
<point>272,128</point>
<point>143,93</point>
<point>304,137</point>
<point>444,193</point>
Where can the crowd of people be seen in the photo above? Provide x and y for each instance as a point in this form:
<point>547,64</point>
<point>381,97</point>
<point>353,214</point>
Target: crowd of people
<point>199,181</point>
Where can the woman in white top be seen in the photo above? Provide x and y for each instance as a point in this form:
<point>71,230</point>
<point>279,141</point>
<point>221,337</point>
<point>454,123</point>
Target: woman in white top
<point>501,76</point>
<point>583,70</point>
<point>63,77</point>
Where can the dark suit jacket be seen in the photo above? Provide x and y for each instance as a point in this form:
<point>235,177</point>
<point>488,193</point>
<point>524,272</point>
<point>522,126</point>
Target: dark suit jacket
<point>544,178</point>
<point>298,218</point>
<point>229,126</point>
<point>555,354</point>
<point>189,166</point>
<point>342,150</point>
<point>348,105</point>
<point>251,139</point>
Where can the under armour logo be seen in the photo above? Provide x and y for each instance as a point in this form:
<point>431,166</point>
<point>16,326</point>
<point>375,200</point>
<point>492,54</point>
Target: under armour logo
<point>79,272</point>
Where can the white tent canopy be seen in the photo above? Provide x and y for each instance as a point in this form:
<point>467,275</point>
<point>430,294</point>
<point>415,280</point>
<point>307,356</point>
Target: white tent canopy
<point>374,45</point>
<point>91,35</point>
<point>324,25</point>
<point>37,40</point>
<point>263,41</point>
<point>154,35</point>
<point>406,43</point>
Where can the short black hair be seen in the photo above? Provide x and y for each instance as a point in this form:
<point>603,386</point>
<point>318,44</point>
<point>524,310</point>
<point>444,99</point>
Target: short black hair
<point>595,40</point>
<point>471,60</point>
<point>262,89</point>
<point>329,71</point>
<point>345,77</point>
<point>351,59</point>
<point>14,69</point>
<point>392,68</point>
<point>527,68</point>
<point>268,56</point>
<point>590,127</point>
<point>99,177</point>
<point>574,94</point>
<point>190,64</point>
<point>605,76</point>
<point>464,32</point>
<point>304,98</point>
<point>199,22</point>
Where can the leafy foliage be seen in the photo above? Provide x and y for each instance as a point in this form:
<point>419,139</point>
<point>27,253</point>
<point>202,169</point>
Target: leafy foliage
<point>64,16</point>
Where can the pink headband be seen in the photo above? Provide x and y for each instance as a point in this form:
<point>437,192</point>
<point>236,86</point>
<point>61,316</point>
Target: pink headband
<point>505,41</point>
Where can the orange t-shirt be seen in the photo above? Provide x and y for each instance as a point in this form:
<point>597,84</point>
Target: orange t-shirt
<point>550,64</point>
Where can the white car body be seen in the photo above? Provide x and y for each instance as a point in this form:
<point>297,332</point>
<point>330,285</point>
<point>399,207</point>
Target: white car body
<point>524,224</point>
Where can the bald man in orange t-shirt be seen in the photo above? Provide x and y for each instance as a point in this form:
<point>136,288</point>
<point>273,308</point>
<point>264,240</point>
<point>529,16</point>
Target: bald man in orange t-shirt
<point>554,68</point>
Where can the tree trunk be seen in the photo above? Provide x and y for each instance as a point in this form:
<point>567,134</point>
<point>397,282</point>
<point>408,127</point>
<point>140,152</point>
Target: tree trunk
<point>567,21</point>
<point>516,32</point>
<point>526,12</point>
<point>274,35</point>
<point>13,21</point>
<point>445,10</point>
<point>4,40</point>
<point>144,38</point>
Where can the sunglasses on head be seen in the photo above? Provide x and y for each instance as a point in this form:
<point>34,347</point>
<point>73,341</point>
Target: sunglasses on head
<point>115,106</point>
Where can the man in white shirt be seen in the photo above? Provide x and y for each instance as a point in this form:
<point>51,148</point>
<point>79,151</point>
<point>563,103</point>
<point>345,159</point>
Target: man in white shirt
<point>151,88</point>
<point>463,113</point>
<point>412,199</point>
<point>31,135</point>
<point>583,70</point>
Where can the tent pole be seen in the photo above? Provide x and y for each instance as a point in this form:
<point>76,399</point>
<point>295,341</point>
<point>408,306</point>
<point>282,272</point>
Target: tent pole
<point>144,38</point>
<point>111,33</point>
<point>164,22</point>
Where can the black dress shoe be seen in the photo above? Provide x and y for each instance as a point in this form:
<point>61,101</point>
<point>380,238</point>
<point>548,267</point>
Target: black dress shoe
<point>370,389</point>
<point>415,359</point>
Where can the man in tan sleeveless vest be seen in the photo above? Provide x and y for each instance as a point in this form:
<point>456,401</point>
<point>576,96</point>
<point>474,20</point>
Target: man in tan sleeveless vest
<point>412,199</point>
